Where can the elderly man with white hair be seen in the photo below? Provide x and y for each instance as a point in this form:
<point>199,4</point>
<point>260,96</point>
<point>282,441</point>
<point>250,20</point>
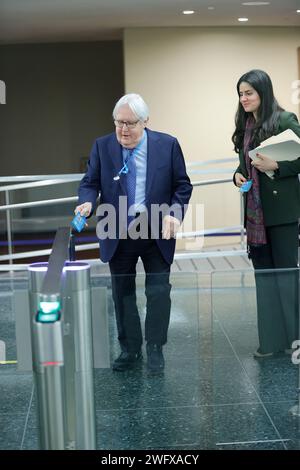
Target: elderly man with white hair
<point>144,191</point>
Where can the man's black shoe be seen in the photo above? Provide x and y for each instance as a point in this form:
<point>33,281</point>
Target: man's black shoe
<point>127,360</point>
<point>155,359</point>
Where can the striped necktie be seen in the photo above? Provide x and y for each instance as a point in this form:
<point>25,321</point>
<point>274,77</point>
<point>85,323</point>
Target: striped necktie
<point>131,182</point>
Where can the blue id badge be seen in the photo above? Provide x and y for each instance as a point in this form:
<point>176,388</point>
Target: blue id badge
<point>78,222</point>
<point>246,186</point>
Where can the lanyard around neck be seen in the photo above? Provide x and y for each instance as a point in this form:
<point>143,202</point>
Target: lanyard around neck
<point>130,155</point>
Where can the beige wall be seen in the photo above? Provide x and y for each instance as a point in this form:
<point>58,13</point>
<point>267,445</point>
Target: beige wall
<point>188,77</point>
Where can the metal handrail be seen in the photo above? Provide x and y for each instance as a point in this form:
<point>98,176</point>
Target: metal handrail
<point>211,171</point>
<point>59,179</point>
<point>54,179</point>
<point>215,181</point>
<point>78,176</point>
<point>210,162</point>
<point>36,184</point>
<point>67,177</point>
<point>44,202</point>
<point>177,256</point>
<point>94,246</point>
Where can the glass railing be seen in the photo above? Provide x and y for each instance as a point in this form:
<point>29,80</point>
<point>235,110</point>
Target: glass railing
<point>257,375</point>
<point>213,394</point>
<point>138,411</point>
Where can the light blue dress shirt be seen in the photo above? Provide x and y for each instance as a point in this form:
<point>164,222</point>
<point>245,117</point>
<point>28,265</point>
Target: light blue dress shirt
<point>140,157</point>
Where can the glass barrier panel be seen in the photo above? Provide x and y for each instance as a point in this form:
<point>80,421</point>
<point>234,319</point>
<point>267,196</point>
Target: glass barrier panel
<point>256,379</point>
<point>16,387</point>
<point>214,392</point>
<point>138,410</point>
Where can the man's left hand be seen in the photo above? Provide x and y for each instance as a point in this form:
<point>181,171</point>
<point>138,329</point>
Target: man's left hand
<point>170,227</point>
<point>264,163</point>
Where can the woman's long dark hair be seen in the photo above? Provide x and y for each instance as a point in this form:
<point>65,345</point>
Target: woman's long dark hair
<point>267,114</point>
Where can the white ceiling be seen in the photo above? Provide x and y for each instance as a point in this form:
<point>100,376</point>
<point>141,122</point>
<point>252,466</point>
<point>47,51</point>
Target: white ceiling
<point>86,20</point>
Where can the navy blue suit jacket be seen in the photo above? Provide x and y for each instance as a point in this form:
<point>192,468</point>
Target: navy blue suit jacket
<point>166,183</point>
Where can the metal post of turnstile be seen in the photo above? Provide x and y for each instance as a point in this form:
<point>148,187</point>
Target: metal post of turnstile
<point>48,367</point>
<point>61,333</point>
<point>78,354</point>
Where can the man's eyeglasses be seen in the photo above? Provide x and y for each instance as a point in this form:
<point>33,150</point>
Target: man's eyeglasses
<point>128,124</point>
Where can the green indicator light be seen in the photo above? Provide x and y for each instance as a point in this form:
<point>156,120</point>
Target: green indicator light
<point>49,307</point>
<point>49,312</point>
<point>47,317</point>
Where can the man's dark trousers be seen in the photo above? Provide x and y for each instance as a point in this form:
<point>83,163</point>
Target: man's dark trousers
<point>157,290</point>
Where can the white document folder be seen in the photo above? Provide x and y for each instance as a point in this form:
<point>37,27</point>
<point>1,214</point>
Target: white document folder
<point>280,147</point>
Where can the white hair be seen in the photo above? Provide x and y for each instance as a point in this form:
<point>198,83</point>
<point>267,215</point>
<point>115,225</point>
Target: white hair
<point>135,103</point>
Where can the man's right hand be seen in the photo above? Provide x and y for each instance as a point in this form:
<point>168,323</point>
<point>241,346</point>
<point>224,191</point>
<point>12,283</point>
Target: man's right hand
<point>84,209</point>
<point>239,179</point>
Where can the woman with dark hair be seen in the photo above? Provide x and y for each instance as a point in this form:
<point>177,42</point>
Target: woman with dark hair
<point>272,209</point>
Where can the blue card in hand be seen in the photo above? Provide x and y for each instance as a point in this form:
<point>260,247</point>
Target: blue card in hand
<point>78,222</point>
<point>246,186</point>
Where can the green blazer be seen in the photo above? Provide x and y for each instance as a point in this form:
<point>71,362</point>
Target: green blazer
<point>280,197</point>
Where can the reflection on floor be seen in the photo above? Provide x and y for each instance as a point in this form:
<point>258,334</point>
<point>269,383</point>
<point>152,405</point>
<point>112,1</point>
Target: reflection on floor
<point>213,395</point>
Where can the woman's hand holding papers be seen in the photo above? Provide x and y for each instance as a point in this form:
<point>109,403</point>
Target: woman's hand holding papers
<point>263,163</point>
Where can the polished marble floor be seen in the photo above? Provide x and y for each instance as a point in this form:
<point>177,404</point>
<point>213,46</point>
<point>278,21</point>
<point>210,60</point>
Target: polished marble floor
<point>213,394</point>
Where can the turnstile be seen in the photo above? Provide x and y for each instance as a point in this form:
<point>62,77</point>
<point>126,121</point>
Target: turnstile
<point>62,351</point>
